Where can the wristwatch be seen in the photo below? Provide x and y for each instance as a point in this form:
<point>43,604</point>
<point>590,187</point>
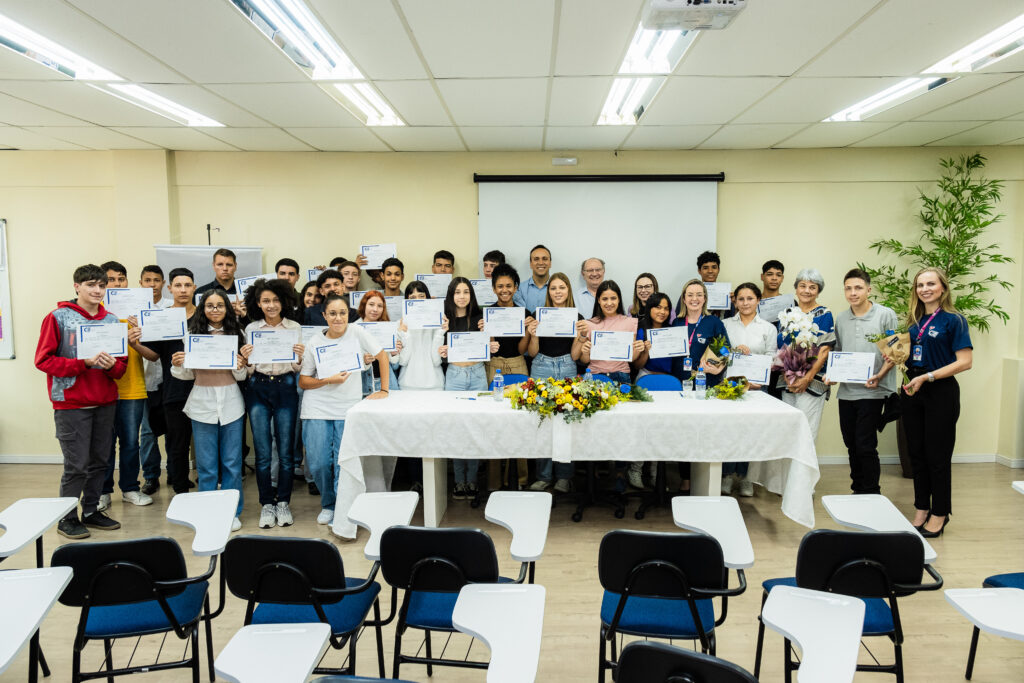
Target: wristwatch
<point>931,376</point>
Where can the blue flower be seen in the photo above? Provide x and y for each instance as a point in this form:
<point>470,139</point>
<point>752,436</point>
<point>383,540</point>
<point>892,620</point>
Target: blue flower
<point>625,388</point>
<point>889,333</point>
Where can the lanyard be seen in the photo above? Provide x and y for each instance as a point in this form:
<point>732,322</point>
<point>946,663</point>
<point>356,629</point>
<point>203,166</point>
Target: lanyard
<point>695,326</point>
<point>920,332</point>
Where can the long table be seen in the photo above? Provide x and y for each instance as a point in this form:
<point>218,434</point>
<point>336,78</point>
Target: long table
<point>438,425</point>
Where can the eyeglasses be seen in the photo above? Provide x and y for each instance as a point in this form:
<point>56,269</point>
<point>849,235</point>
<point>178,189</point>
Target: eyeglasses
<point>215,307</point>
<point>644,287</point>
<point>593,271</point>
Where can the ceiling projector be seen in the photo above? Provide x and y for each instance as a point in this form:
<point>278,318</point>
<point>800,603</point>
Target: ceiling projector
<point>690,15</point>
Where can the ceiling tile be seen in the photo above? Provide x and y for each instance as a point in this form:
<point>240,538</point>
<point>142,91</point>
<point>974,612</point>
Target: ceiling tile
<point>94,137</point>
<point>995,133</point>
<point>810,100</point>
<point>687,100</point>
<point>410,139</point>
<point>14,66</point>
<point>490,139</point>
<point>19,138</point>
<point>916,133</point>
<point>86,103</point>
<point>995,103</point>
<point>669,137</point>
<point>585,137</point>
<point>750,136</point>
<point>178,138</point>
<point>385,52</point>
<point>415,101</point>
<point>340,139</point>
<point>17,112</point>
<point>483,38</point>
<point>293,105</point>
<point>210,104</point>
<point>948,93</point>
<point>259,139</point>
<point>837,134</point>
<point>495,102</point>
<point>577,101</point>
<point>593,36</point>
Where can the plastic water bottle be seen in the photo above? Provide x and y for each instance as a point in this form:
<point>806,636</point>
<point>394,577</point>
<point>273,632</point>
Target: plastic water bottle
<point>700,382</point>
<point>588,375</point>
<point>499,386</point>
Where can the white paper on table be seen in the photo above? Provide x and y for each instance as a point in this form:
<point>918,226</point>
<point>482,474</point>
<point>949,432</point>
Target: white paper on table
<point>340,356</point>
<point>211,351</point>
<point>485,295</point>
<point>242,284</point>
<point>198,297</point>
<point>273,346</point>
<point>162,323</point>
<point>309,330</point>
<point>93,338</point>
<point>421,314</point>
<point>437,284</point>
<point>719,295</point>
<point>466,347</point>
<point>755,367</point>
<point>668,342</point>
<point>611,345</point>
<point>128,301</point>
<point>508,321</point>
<point>855,367</point>
<point>386,333</point>
<point>354,298</point>
<point>376,254</point>
<point>395,307</point>
<point>770,308</point>
<point>556,322</point>
<point>313,273</point>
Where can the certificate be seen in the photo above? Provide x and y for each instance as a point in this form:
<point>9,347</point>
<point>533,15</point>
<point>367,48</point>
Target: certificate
<point>465,347</point>
<point>211,351</point>
<point>243,284</point>
<point>505,322</point>
<point>309,330</point>
<point>395,306</point>
<point>610,345</point>
<point>354,298</point>
<point>376,254</point>
<point>313,273</point>
<point>162,323</point>
<point>198,297</point>
<point>437,284</point>
<point>756,367</point>
<point>668,342</point>
<point>770,308</point>
<point>850,366</point>
<point>719,294</point>
<point>273,346</point>
<point>386,333</point>
<point>556,322</point>
<point>127,302</point>
<point>485,295</point>
<point>421,314</point>
<point>341,356</point>
<point>94,338</point>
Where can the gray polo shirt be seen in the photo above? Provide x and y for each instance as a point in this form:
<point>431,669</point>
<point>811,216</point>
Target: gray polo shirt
<point>851,335</point>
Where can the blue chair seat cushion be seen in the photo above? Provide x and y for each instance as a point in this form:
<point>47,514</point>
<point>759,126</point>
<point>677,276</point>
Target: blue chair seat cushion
<point>657,617</point>
<point>344,616</point>
<point>877,615</point>
<point>1005,581</point>
<point>141,618</point>
<point>433,611</point>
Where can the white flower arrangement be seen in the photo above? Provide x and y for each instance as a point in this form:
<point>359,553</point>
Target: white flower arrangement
<point>798,328</point>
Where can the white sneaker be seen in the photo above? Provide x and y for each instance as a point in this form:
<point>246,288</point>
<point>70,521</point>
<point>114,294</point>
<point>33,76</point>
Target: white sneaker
<point>635,474</point>
<point>540,485</point>
<point>267,517</point>
<point>104,503</point>
<point>284,514</point>
<point>727,485</point>
<point>136,498</point>
<point>236,524</point>
<point>563,485</point>
<point>325,517</point>
<point>746,488</point>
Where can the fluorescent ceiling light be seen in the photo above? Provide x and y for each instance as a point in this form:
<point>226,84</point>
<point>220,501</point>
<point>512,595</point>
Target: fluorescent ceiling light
<point>370,107</point>
<point>903,91</point>
<point>140,97</point>
<point>655,51</point>
<point>1006,40</point>
<point>627,100</point>
<point>40,49</point>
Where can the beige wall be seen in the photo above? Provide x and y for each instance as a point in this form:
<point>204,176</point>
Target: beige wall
<point>808,208</point>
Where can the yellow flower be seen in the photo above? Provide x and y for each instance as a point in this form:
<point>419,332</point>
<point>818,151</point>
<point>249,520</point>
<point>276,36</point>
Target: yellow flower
<point>544,394</point>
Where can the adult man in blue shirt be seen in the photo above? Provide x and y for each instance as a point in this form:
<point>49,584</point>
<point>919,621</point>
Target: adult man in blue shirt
<point>533,293</point>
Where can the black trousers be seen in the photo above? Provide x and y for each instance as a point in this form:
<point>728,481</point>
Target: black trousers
<point>85,436</point>
<point>179,437</point>
<point>858,421</point>
<point>929,419</point>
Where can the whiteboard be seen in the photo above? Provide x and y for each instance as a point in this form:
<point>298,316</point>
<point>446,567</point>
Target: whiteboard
<point>6,319</point>
<point>635,227</point>
<point>199,259</point>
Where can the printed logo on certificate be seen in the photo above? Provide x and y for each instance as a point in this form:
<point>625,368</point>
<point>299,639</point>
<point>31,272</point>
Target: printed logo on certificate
<point>313,273</point>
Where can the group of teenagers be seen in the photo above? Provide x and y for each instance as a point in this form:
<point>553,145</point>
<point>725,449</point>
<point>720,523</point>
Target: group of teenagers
<point>104,401</point>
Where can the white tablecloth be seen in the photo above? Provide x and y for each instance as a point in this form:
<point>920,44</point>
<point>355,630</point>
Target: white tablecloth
<point>773,436</point>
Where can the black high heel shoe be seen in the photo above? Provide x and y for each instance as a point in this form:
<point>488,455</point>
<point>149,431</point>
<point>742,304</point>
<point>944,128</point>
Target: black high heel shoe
<point>935,534</point>
<point>920,527</point>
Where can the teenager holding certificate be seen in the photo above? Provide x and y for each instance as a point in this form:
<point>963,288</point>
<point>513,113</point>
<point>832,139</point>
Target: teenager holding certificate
<point>940,348</point>
<point>419,359</point>
<point>373,309</point>
<point>655,317</point>
<point>215,404</point>
<point>392,273</point>
<point>272,396</point>
<point>509,356</point>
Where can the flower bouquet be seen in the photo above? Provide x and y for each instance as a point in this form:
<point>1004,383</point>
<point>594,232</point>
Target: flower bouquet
<point>573,398</point>
<point>717,353</point>
<point>730,389</point>
<point>894,345</point>
<point>799,344</point>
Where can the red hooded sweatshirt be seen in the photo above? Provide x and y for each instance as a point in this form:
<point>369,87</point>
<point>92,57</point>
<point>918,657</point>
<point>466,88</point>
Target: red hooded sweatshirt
<point>70,384</point>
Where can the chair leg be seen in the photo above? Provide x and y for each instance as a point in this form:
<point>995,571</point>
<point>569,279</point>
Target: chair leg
<point>973,651</point>
<point>195,653</point>
<point>787,663</point>
<point>760,639</point>
<point>352,641</point>
<point>108,656</point>
<point>380,638</point>
<point>603,658</point>
<point>398,652</point>
<point>898,652</point>
<point>42,663</point>
<point>712,645</point>
<point>76,665</point>
<point>426,639</point>
<point>209,639</point>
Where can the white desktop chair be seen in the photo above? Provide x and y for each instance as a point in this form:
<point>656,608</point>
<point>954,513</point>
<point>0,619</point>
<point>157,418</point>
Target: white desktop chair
<point>509,619</point>
<point>526,514</point>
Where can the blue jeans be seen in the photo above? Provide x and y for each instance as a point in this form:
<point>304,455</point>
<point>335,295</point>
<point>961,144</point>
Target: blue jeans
<point>558,367</point>
<point>275,400</point>
<point>563,470</point>
<point>739,468</point>
<point>149,447</point>
<point>127,422</point>
<point>219,456</point>
<point>466,378</point>
<point>371,382</point>
<point>322,439</point>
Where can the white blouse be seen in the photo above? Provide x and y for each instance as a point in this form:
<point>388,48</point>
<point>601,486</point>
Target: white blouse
<point>220,401</point>
<point>760,336</point>
<point>420,361</point>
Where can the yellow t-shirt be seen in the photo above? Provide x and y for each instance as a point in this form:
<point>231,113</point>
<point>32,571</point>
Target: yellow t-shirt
<point>132,384</point>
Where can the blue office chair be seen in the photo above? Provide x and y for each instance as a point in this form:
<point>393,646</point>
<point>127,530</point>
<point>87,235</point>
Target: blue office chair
<point>647,662</point>
<point>511,379</point>
<point>660,383</point>
<point>598,377</point>
<point>1014,580</point>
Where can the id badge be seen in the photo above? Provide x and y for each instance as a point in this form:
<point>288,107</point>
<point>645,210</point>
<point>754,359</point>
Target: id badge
<point>688,364</point>
<point>918,352</point>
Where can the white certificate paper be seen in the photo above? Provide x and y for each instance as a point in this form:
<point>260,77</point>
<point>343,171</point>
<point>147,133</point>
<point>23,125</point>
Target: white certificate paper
<point>505,322</point>
<point>309,330</point>
<point>719,295</point>
<point>556,322</point>
<point>127,302</point>
<point>96,338</point>
<point>485,295</point>
<point>386,333</point>
<point>770,308</point>
<point>158,324</point>
<point>756,367</point>
<point>242,284</point>
<point>211,351</point>
<point>668,342</point>
<point>313,273</point>
<point>611,345</point>
<point>437,284</point>
<point>395,306</point>
<point>421,314</point>
<point>273,346</point>
<point>341,356</point>
<point>354,298</point>
<point>850,366</point>
<point>376,254</point>
<point>198,297</point>
<point>466,347</point>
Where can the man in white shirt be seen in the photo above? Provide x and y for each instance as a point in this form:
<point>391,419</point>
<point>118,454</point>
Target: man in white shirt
<point>592,271</point>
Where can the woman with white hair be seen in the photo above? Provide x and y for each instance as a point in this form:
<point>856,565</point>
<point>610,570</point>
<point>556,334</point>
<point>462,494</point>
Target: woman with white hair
<point>808,391</point>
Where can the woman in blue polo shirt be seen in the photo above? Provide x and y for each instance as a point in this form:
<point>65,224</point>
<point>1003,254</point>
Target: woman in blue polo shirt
<point>940,348</point>
<point>701,329</point>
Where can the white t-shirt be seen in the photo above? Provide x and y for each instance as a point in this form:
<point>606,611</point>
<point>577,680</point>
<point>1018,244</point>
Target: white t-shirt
<point>332,401</point>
